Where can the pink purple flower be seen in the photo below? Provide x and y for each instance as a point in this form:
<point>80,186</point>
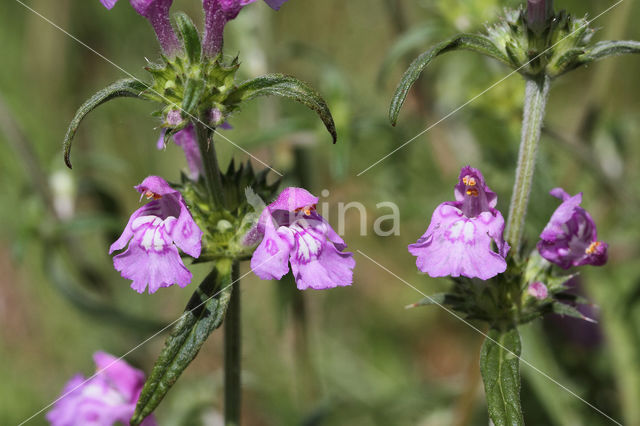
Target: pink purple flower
<point>293,232</point>
<point>538,290</point>
<point>570,238</point>
<point>154,233</point>
<point>461,233</point>
<point>107,398</point>
<point>217,14</point>
<point>157,13</point>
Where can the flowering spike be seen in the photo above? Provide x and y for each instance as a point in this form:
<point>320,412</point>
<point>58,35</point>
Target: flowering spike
<point>459,238</point>
<point>108,398</point>
<point>570,237</point>
<point>295,233</point>
<point>154,233</point>
<point>157,13</point>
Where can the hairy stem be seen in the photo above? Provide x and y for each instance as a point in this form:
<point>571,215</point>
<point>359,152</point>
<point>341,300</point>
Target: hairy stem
<point>210,163</point>
<point>232,352</point>
<point>537,93</point>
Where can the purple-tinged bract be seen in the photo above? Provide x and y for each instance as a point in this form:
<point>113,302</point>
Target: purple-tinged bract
<point>217,14</point>
<point>570,238</point>
<point>108,398</point>
<point>154,233</point>
<point>460,236</point>
<point>293,232</point>
<point>157,13</point>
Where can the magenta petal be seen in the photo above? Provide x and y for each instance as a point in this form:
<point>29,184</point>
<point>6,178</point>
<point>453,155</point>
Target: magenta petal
<point>562,215</point>
<point>108,3</point>
<point>124,378</point>
<point>455,245</point>
<point>127,234</point>
<point>275,4</point>
<point>107,398</point>
<point>291,199</point>
<point>156,185</point>
<point>330,269</point>
<point>151,268</point>
<point>143,6</point>
<point>459,191</point>
<point>333,235</point>
<point>160,143</point>
<point>270,260</point>
<point>186,234</point>
<point>570,237</point>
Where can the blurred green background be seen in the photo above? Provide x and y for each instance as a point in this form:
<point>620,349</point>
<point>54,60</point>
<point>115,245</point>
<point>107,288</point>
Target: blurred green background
<point>350,356</point>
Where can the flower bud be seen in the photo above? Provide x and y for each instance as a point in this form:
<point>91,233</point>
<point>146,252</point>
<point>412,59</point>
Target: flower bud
<point>538,14</point>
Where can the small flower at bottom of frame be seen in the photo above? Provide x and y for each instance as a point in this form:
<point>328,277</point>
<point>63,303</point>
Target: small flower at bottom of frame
<point>294,232</point>
<point>538,290</point>
<point>154,233</point>
<point>570,237</point>
<point>460,235</point>
<point>106,399</point>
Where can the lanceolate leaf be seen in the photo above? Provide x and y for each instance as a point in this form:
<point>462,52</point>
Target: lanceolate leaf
<point>190,37</point>
<point>605,49</point>
<point>568,310</point>
<point>499,365</point>
<point>203,314</point>
<point>475,43</point>
<point>288,87</point>
<point>129,87</point>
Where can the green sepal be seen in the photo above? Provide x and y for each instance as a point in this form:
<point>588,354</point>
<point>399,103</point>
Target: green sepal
<point>193,93</point>
<point>568,310</point>
<point>473,42</point>
<point>204,313</point>
<point>190,37</point>
<point>499,365</point>
<point>288,87</point>
<point>127,88</point>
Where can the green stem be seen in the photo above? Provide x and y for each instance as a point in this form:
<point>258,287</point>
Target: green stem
<point>212,173</point>
<point>232,353</point>
<point>537,93</point>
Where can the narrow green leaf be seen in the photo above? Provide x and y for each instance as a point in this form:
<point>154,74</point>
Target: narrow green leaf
<point>203,314</point>
<point>190,37</point>
<point>499,365</point>
<point>475,43</point>
<point>413,39</point>
<point>193,93</point>
<point>129,87</point>
<point>288,87</point>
